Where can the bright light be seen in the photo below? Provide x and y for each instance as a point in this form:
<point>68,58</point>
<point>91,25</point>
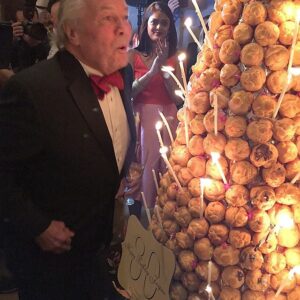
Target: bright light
<point>295,270</point>
<point>215,156</point>
<point>188,22</point>
<point>205,182</point>
<point>158,125</point>
<point>295,71</point>
<point>167,69</point>
<point>209,289</point>
<point>298,15</point>
<point>285,219</point>
<point>182,56</point>
<point>163,150</point>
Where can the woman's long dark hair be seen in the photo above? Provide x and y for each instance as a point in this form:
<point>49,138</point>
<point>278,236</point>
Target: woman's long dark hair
<point>145,45</point>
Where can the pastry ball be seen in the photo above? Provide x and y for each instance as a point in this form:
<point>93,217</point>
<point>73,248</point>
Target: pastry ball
<point>290,281</point>
<point>215,190</point>
<point>275,175</point>
<point>253,79</point>
<point>290,106</point>
<point>169,209</point>
<point>252,55</point>
<point>230,75</point>
<point>181,155</point>
<point>199,102</point>
<point>294,294</point>
<point>264,155</point>
<point>296,58</point>
<point>185,112</point>
<point>215,212</point>
<point>198,228</point>
<point>226,255</point>
<point>182,216</point>
<point>297,124</point>
<point>251,258</point>
<point>237,195</point>
<point>213,143</point>
<point>233,276</point>
<point>177,291</point>
<point>284,130</point>
<point>196,145</point>
<point>184,240</point>
<point>236,216</point>
<point>237,149</point>
<point>215,21</point>
<point>203,249</point>
<point>262,197</point>
<point>180,134</point>
<point>270,295</point>
<point>212,168</point>
<point>280,11</point>
<point>288,194</point>
<point>230,52</point>
<point>187,260</point>
<point>239,237</point>
<point>202,271</point>
<point>292,256</point>
<point>292,168</point>
<point>196,124</point>
<point>243,172</point>
<point>276,81</point>
<point>254,13</point>
<point>208,122</point>
<point>196,165</point>
<point>190,281</point>
<point>240,102</point>
<point>253,295</point>
<point>257,281</point>
<point>172,245</point>
<point>231,12</point>
<point>287,32</point>
<point>266,33</point>
<point>263,106</point>
<point>209,79</point>
<point>235,126</point>
<point>276,57</point>
<point>228,293</point>
<point>274,262</point>
<point>269,244</point>
<point>224,33</point>
<point>182,199</point>
<point>193,189</point>
<point>184,176</point>
<point>223,95</point>
<point>243,33</point>
<point>260,131</point>
<point>259,221</point>
<point>287,152</point>
<point>218,234</point>
<point>170,227</point>
<point>159,234</point>
<point>194,207</point>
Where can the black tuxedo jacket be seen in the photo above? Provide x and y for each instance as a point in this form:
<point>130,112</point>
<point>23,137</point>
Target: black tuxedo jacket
<point>57,160</point>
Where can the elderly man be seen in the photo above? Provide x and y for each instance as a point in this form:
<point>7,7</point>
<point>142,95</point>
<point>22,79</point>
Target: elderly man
<point>67,136</point>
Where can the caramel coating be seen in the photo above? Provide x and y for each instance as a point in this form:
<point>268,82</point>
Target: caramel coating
<point>253,79</point>
<point>266,33</point>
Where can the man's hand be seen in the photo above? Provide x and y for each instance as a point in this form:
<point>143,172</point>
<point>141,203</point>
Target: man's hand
<point>173,4</point>
<point>18,29</point>
<point>56,238</point>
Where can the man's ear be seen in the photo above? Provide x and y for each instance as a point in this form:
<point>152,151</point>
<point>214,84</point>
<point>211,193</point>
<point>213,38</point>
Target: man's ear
<point>72,34</point>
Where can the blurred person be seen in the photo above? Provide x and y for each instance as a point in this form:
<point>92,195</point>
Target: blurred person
<point>67,138</point>
<point>53,7</point>
<point>152,90</point>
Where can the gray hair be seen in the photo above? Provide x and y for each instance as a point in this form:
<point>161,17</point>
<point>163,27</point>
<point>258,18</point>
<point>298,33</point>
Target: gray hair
<point>68,13</point>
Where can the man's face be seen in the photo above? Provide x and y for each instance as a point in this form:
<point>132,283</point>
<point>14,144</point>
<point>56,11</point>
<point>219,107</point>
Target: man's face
<point>102,35</point>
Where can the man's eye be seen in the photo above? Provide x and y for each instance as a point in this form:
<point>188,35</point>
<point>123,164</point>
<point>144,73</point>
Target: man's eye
<point>108,18</point>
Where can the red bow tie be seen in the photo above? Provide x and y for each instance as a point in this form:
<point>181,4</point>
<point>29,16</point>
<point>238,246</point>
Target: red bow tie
<point>101,85</point>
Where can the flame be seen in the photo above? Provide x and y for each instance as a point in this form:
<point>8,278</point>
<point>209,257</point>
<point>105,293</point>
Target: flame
<point>163,150</point>
<point>215,157</point>
<point>182,56</point>
<point>158,125</point>
<point>188,22</point>
<point>167,69</point>
<point>284,219</point>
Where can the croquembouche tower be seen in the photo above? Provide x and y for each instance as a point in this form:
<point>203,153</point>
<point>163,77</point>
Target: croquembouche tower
<point>232,214</point>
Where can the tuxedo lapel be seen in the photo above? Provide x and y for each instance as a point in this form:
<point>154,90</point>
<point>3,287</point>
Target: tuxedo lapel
<point>87,102</point>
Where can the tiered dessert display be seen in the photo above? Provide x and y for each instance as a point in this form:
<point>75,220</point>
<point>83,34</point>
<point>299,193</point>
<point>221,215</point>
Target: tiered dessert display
<point>230,202</point>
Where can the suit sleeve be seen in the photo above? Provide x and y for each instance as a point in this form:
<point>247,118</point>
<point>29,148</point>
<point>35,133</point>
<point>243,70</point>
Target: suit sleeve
<point>20,146</point>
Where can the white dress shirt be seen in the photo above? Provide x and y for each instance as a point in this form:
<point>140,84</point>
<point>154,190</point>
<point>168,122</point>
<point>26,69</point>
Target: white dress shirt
<point>115,117</point>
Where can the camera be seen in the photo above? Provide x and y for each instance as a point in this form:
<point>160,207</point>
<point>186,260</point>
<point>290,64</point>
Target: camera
<point>35,30</point>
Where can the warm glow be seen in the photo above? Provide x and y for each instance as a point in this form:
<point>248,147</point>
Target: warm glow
<point>158,125</point>
<point>163,150</point>
<point>188,22</point>
<point>209,289</point>
<point>167,69</point>
<point>295,270</point>
<point>295,71</point>
<point>285,219</point>
<point>215,157</point>
<point>182,56</point>
<point>298,16</point>
<point>205,182</point>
